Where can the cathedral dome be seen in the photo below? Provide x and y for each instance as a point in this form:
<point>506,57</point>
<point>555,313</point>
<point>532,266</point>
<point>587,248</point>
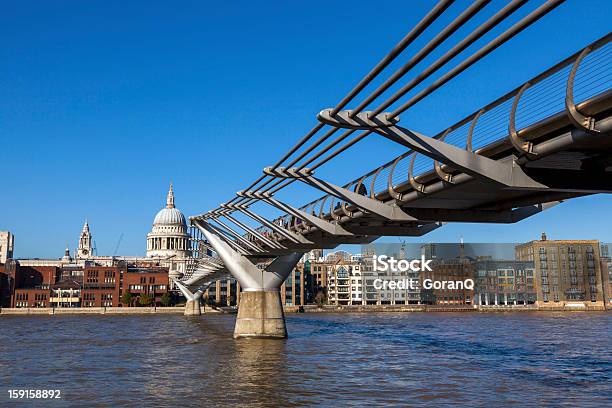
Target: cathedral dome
<point>169,216</point>
<point>169,236</point>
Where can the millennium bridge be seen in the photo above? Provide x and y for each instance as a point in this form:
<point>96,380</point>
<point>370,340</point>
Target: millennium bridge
<point>540,144</point>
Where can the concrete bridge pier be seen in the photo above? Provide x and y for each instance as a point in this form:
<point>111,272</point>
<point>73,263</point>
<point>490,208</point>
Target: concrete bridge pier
<point>192,307</point>
<point>260,315</point>
<point>260,312</point>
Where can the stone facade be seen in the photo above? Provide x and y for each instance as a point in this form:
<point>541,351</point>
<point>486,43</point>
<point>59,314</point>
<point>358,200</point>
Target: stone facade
<point>7,245</point>
<point>568,272</point>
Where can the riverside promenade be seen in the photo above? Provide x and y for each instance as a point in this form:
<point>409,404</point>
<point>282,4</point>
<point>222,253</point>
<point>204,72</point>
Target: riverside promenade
<point>179,310</point>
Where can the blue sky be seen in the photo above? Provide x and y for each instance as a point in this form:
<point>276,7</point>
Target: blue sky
<point>103,103</point>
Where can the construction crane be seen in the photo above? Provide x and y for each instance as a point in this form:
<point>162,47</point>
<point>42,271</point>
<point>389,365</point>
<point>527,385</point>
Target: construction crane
<point>118,243</point>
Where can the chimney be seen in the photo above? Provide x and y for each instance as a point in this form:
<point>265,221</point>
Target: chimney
<point>543,236</point>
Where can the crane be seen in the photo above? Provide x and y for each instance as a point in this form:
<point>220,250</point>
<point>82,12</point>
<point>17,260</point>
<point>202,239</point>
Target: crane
<point>118,243</point>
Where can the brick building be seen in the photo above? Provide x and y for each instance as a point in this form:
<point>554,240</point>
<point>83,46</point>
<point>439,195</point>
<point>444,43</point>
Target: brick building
<point>82,286</point>
<point>101,286</point>
<point>139,281</point>
<point>568,272</point>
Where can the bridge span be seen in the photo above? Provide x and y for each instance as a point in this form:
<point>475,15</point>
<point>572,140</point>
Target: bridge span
<point>540,144</point>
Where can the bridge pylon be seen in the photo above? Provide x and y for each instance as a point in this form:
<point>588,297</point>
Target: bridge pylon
<point>260,312</point>
<point>192,307</point>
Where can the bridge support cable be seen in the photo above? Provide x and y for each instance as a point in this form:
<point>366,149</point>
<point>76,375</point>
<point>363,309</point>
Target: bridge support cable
<point>457,23</point>
<point>435,12</point>
<point>419,28</point>
<point>326,226</point>
<point>255,234</point>
<point>471,60</point>
<point>431,16</point>
<point>226,238</point>
<point>237,235</point>
<point>290,235</point>
<point>437,41</point>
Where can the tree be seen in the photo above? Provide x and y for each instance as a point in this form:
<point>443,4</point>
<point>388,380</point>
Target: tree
<point>166,299</point>
<point>127,299</point>
<point>145,299</point>
<point>320,298</point>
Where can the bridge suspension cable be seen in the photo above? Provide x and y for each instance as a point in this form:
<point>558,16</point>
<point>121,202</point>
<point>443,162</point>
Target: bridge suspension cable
<point>459,21</point>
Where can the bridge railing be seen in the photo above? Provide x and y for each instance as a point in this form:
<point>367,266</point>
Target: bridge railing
<point>542,98</point>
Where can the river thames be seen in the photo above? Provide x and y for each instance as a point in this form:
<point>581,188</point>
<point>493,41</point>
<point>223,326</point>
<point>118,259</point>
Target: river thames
<point>408,359</point>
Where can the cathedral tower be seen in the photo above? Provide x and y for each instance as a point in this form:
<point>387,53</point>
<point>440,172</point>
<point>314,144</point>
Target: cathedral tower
<point>85,247</point>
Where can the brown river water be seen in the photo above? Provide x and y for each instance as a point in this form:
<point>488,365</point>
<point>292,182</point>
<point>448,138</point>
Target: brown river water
<point>375,359</point>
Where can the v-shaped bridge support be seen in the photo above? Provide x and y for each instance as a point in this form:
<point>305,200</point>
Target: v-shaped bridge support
<point>260,312</point>
<point>192,307</point>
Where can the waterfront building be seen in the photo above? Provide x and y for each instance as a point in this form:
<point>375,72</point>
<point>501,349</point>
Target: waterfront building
<point>293,290</point>
<point>64,294</point>
<point>344,281</point>
<point>504,282</point>
<point>606,275</point>
<point>100,286</point>
<point>374,294</point>
<point>90,285</point>
<point>32,284</point>
<point>568,272</point>
<point>318,271</point>
<point>7,245</point>
<point>138,281</point>
<point>448,270</point>
<point>5,289</point>
<point>223,292</point>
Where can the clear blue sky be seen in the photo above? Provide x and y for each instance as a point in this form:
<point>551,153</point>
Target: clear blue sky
<point>103,103</point>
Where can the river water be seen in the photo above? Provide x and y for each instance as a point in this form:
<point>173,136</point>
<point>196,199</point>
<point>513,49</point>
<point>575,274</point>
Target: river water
<point>398,359</point>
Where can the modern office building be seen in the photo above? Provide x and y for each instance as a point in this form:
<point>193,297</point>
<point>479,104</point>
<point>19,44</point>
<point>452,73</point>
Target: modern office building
<point>568,272</point>
<point>295,290</point>
<point>224,292</point>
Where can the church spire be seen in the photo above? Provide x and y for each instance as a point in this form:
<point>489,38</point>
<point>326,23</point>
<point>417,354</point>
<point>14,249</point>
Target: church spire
<point>170,198</point>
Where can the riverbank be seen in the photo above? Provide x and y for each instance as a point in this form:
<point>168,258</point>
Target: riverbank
<point>439,308</point>
<point>101,310</point>
<point>179,310</point>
